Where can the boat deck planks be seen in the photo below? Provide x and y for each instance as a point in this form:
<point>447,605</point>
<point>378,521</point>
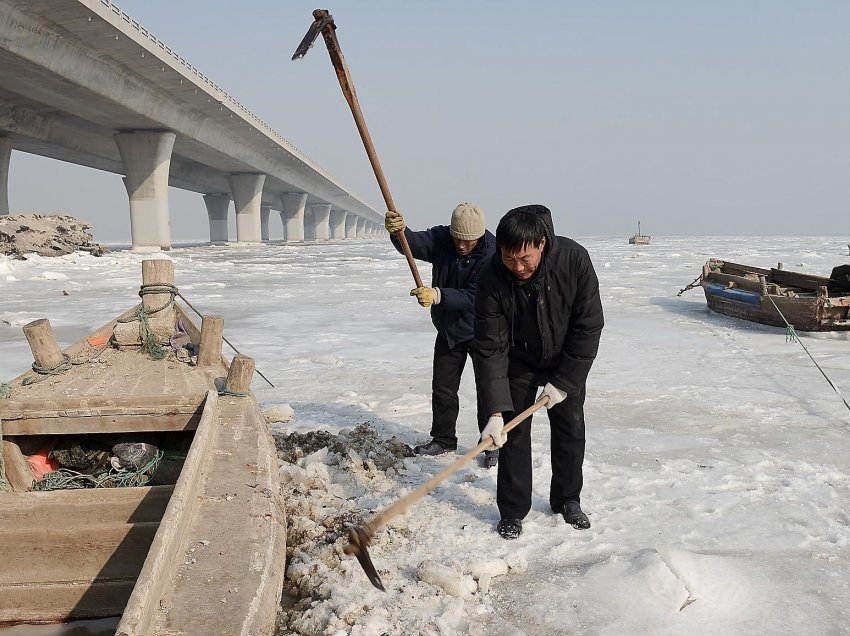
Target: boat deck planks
<point>60,556</point>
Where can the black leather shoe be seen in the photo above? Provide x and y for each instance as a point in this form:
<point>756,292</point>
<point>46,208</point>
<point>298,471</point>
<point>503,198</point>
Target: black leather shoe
<point>432,448</point>
<point>574,516</point>
<point>491,458</point>
<point>509,528</point>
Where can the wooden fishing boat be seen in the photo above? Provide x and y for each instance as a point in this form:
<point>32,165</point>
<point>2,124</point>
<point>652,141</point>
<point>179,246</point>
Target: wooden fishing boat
<point>807,302</point>
<point>639,239</point>
<point>198,549</point>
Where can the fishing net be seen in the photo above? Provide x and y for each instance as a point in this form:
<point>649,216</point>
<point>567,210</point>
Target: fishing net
<point>69,479</point>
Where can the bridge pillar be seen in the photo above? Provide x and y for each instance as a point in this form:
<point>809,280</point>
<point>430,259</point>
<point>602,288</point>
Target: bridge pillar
<point>146,155</point>
<point>5,157</point>
<point>265,211</point>
<point>217,208</point>
<point>351,226</point>
<point>309,225</point>
<point>247,189</point>
<point>361,227</point>
<point>337,223</point>
<point>293,215</point>
<point>321,220</point>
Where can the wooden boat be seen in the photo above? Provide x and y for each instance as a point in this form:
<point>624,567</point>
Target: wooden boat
<point>808,302</point>
<point>639,239</point>
<point>200,552</point>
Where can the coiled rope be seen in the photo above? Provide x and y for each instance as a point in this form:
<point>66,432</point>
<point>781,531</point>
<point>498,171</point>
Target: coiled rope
<point>68,479</point>
<point>791,336</point>
<point>149,341</point>
<point>228,392</point>
<point>42,373</point>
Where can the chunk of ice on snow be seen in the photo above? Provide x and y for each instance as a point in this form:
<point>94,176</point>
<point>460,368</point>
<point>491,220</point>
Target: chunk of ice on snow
<point>280,413</point>
<point>493,567</point>
<point>317,457</point>
<point>516,564</point>
<point>448,580</point>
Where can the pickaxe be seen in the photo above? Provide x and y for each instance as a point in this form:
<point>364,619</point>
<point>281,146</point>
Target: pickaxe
<point>324,24</point>
<point>360,537</point>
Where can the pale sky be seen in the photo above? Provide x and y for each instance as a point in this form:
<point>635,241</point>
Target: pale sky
<point>709,118</point>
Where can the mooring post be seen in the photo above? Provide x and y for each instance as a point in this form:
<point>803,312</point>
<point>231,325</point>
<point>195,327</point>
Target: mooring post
<point>157,271</point>
<point>212,328</point>
<point>240,374</point>
<point>779,266</point>
<point>45,351</point>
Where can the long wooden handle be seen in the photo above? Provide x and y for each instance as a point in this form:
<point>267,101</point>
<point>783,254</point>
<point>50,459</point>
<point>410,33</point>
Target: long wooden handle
<point>347,85</point>
<point>400,506</point>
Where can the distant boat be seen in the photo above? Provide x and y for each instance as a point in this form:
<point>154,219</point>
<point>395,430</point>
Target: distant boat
<point>639,239</point>
<point>808,302</point>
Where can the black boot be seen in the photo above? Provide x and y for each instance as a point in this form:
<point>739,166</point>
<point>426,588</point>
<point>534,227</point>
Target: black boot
<point>432,448</point>
<point>574,516</point>
<point>509,528</point>
<point>491,458</point>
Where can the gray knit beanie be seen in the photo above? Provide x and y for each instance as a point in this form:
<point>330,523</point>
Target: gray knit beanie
<point>467,222</point>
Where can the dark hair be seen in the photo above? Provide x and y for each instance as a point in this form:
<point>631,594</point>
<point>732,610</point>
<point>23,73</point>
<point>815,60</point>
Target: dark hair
<point>520,227</point>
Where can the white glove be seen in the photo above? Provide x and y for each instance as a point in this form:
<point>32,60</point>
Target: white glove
<point>494,430</point>
<point>555,395</point>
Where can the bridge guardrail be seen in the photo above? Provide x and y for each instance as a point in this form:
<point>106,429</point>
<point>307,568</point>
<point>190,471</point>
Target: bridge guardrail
<point>221,94</point>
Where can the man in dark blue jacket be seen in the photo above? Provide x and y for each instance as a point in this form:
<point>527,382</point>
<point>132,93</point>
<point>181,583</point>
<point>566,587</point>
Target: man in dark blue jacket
<point>457,253</point>
<point>538,320</point>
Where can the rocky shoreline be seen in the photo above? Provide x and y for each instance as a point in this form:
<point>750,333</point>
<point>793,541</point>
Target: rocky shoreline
<point>46,235</point>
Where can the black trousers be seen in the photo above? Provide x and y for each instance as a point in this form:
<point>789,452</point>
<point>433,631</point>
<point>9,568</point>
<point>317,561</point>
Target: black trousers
<point>445,382</point>
<point>513,489</point>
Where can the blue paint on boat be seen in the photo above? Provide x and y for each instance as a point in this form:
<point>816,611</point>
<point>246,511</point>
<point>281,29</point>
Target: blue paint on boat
<point>730,293</point>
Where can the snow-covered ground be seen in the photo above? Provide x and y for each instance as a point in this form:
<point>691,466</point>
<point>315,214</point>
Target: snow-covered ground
<point>717,476</point>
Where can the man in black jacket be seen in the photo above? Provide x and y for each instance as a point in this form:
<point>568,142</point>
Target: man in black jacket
<point>457,252</point>
<point>538,318</point>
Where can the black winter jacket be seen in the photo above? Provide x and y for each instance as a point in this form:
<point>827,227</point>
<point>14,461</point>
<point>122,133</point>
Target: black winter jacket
<point>455,275</point>
<point>569,316</point>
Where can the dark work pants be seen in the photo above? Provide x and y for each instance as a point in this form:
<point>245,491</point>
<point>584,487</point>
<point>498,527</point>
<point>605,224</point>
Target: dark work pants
<point>513,490</point>
<point>448,367</point>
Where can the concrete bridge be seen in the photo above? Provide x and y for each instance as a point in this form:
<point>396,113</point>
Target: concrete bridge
<point>83,82</point>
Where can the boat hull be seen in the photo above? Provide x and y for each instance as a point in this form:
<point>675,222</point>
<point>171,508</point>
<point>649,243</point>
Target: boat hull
<point>166,557</point>
<point>770,297</point>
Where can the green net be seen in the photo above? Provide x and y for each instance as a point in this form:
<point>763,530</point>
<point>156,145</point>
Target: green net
<point>68,479</point>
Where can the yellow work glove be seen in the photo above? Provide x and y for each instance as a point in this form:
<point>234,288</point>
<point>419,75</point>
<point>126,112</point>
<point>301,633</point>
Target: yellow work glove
<point>394,222</point>
<point>426,296</point>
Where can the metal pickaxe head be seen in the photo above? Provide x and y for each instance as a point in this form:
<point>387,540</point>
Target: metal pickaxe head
<point>322,20</point>
<point>358,545</point>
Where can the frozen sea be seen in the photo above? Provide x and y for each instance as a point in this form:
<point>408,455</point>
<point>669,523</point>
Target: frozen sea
<point>717,476</point>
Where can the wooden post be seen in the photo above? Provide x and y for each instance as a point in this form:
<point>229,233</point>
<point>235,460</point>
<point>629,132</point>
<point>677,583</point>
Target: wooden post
<point>157,272</point>
<point>45,351</point>
<point>763,283</point>
<point>240,374</point>
<point>211,331</point>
